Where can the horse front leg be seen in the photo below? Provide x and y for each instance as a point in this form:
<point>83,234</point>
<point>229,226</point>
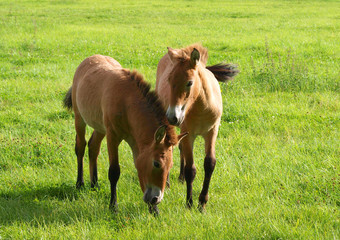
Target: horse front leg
<point>114,169</point>
<point>181,171</point>
<point>189,169</point>
<point>209,165</point>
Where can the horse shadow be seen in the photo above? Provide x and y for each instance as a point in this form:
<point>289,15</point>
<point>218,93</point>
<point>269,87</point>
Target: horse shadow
<point>27,204</point>
<point>45,205</point>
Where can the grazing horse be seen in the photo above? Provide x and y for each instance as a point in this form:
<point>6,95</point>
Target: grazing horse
<point>118,103</point>
<point>190,92</point>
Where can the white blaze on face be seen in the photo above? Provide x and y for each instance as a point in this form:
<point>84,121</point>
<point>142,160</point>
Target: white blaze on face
<point>175,114</point>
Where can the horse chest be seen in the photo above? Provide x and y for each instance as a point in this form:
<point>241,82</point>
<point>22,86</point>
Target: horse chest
<point>202,121</point>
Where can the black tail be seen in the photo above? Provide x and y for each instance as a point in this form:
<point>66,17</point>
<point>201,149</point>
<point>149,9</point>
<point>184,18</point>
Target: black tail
<point>224,71</point>
<point>68,99</point>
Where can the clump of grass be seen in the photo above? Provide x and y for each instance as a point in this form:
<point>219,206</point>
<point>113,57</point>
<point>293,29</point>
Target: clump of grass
<point>287,72</point>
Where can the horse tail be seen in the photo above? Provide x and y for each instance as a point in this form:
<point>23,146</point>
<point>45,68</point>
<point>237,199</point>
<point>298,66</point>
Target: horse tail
<point>224,72</point>
<point>68,99</point>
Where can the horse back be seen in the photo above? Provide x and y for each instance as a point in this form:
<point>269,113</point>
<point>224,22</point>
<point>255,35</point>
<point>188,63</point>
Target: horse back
<point>98,90</point>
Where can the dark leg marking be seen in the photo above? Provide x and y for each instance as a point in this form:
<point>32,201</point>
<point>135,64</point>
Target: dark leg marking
<point>190,173</point>
<point>94,181</point>
<point>181,171</point>
<point>114,173</point>
<point>80,150</point>
<point>94,149</point>
<point>209,166</point>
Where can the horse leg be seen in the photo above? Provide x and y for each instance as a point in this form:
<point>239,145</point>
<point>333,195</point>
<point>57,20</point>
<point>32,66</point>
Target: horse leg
<point>168,180</point>
<point>189,169</point>
<point>181,171</point>
<point>209,165</point>
<point>94,148</point>
<point>80,126</point>
<point>114,169</point>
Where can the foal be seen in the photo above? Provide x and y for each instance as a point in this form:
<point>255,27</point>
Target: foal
<point>119,104</point>
<point>192,95</point>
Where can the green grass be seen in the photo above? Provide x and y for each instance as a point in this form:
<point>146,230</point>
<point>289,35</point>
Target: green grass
<point>278,168</point>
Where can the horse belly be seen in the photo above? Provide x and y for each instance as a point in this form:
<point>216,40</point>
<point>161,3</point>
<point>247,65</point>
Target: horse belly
<point>94,120</point>
<point>200,128</point>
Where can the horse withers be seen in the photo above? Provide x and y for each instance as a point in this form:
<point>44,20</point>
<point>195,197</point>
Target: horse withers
<point>191,93</point>
<point>118,104</point>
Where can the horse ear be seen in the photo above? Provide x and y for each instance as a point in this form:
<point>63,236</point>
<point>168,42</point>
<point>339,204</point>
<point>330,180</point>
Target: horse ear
<point>173,53</point>
<point>160,134</point>
<point>181,136</point>
<point>195,57</point>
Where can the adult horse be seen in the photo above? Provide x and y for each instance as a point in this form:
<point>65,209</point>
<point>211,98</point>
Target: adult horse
<point>118,103</point>
<point>190,92</point>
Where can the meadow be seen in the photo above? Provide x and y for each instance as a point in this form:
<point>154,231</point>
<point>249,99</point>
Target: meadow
<point>278,168</point>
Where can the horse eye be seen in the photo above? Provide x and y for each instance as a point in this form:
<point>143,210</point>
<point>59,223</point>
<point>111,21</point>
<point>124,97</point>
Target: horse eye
<point>156,164</point>
<point>189,83</point>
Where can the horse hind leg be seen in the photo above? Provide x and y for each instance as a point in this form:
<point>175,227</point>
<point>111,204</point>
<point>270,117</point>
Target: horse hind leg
<point>94,149</point>
<point>80,145</point>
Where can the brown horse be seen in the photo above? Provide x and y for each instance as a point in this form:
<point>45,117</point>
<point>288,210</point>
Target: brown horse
<point>192,95</point>
<point>119,104</point>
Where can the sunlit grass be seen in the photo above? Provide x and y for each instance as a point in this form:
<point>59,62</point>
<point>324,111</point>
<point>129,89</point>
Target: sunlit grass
<point>277,172</point>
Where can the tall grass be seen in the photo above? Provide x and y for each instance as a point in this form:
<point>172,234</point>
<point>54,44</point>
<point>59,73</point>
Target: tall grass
<point>287,72</point>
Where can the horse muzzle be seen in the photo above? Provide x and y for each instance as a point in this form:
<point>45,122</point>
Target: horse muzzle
<point>175,114</point>
<point>153,195</point>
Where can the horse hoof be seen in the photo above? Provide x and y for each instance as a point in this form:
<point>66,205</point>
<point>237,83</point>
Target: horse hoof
<point>189,204</point>
<point>95,187</point>
<point>181,179</point>
<point>201,207</point>
<point>79,185</point>
<point>113,208</point>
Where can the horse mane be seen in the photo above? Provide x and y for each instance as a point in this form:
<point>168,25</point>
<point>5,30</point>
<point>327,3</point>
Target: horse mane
<point>223,72</point>
<point>155,105</point>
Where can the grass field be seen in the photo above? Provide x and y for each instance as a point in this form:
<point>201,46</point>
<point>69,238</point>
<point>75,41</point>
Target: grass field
<point>278,167</point>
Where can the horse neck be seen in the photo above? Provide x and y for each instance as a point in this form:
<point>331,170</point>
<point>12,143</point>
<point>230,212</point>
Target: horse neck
<point>204,88</point>
<point>143,125</point>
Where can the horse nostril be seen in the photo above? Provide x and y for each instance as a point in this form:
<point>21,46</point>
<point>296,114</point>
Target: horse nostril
<point>154,200</point>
